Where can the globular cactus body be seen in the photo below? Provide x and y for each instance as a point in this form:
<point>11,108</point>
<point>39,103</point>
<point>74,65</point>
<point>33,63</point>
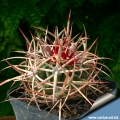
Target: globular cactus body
<point>56,72</point>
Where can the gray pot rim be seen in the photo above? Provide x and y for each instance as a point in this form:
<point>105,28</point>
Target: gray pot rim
<point>34,109</point>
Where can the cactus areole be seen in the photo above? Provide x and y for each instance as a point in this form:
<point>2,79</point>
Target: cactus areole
<point>58,72</point>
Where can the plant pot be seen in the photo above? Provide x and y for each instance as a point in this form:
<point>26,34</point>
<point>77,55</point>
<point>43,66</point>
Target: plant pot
<point>24,112</point>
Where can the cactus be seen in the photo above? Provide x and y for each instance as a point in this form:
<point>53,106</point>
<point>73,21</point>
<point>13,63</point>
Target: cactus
<point>58,70</point>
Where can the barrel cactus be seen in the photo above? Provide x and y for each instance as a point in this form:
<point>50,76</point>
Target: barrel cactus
<point>58,72</point>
